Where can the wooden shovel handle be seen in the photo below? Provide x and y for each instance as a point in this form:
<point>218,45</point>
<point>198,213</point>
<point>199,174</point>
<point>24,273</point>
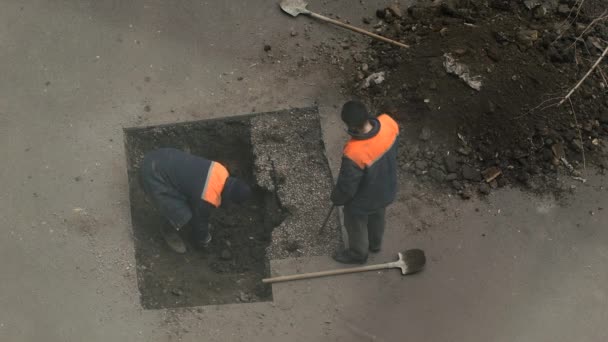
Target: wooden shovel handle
<point>327,273</point>
<point>356,29</point>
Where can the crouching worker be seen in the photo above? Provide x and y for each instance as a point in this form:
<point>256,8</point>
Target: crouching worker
<point>367,182</point>
<point>185,188</point>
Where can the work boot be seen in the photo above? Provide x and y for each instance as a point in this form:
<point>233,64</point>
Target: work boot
<point>203,243</point>
<point>374,249</point>
<point>349,257</point>
<point>174,241</point>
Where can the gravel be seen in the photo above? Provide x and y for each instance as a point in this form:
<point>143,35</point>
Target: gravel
<point>290,160</point>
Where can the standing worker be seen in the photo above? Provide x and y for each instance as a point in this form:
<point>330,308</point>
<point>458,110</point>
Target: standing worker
<point>184,188</point>
<point>367,182</point>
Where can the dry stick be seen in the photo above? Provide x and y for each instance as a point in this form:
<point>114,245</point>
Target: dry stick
<point>580,136</point>
<point>599,60</point>
<point>569,24</point>
<point>603,16</point>
<point>551,105</point>
<point>578,11</point>
<point>601,72</point>
<point>540,105</point>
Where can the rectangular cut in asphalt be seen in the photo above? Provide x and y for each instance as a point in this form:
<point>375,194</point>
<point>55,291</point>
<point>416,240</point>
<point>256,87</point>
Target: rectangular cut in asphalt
<point>280,152</point>
<point>290,160</point>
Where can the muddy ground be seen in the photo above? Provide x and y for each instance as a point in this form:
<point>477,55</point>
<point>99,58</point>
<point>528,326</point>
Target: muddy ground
<point>510,131</point>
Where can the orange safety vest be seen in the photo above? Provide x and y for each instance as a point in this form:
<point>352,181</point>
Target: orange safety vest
<point>365,152</point>
<point>214,184</point>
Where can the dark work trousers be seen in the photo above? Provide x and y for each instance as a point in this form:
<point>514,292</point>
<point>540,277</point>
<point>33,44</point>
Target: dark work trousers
<point>364,231</point>
<point>172,204</point>
<point>200,220</point>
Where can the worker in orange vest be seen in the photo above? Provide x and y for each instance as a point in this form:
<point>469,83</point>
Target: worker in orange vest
<point>185,188</point>
<point>367,182</point>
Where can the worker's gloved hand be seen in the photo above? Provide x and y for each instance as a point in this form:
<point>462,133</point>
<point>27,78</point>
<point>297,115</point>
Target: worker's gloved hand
<point>202,243</point>
<point>202,235</point>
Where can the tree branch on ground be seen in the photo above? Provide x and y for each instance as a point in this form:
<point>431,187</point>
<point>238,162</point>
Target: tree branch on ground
<point>597,62</point>
<point>580,135</point>
<point>568,24</point>
<point>603,16</point>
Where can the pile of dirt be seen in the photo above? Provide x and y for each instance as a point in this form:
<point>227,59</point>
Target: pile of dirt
<point>477,92</point>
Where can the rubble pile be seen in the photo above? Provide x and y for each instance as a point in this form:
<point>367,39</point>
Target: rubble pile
<point>477,92</point>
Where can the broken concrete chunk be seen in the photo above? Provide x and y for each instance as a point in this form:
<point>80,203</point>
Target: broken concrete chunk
<point>484,189</point>
<point>527,37</point>
<point>470,173</point>
<point>558,151</point>
<point>437,174</point>
<point>395,10</point>
<point>375,78</point>
<point>491,173</point>
<point>244,297</point>
<point>451,164</point>
<point>462,71</point>
<point>465,151</point>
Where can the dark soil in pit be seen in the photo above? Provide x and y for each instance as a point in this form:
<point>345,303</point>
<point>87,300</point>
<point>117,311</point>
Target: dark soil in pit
<point>526,63</point>
<point>231,270</point>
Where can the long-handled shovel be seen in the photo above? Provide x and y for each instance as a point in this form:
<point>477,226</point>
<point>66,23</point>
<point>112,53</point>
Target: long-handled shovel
<point>322,230</point>
<point>295,7</point>
<point>410,261</point>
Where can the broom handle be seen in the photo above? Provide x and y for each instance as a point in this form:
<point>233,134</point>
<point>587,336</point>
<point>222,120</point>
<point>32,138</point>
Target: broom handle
<point>328,273</point>
<point>356,29</point>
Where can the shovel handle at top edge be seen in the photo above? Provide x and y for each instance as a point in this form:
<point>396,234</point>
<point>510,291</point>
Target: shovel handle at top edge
<point>356,29</point>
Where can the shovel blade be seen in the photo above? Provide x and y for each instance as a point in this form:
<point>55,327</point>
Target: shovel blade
<point>294,7</point>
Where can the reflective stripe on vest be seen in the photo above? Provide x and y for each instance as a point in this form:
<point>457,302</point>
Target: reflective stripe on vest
<point>214,184</point>
<point>365,152</point>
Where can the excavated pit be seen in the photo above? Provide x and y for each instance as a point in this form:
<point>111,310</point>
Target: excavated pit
<point>281,154</point>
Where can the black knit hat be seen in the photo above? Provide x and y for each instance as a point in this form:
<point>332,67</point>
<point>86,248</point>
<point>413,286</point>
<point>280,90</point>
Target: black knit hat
<point>354,114</point>
<point>236,190</point>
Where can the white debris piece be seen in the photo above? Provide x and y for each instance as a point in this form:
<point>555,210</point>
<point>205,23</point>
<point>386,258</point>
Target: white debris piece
<point>377,78</point>
<point>530,4</point>
<point>462,71</point>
